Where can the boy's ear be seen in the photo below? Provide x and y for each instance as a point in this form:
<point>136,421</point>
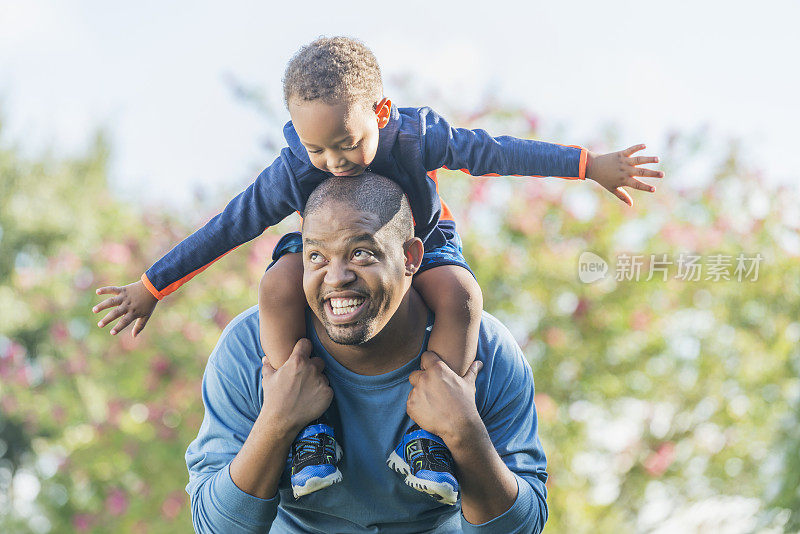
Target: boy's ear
<point>413,249</point>
<point>382,110</point>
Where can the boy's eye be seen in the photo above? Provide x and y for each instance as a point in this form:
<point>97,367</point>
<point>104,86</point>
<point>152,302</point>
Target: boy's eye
<point>350,147</point>
<point>315,257</point>
<point>313,151</point>
<point>361,254</point>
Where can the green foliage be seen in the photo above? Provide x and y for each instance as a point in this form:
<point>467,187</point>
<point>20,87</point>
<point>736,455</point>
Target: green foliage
<point>653,396</point>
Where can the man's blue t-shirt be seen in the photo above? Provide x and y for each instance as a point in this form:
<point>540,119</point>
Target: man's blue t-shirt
<point>369,417</point>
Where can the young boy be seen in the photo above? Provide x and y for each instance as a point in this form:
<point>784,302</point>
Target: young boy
<point>342,125</point>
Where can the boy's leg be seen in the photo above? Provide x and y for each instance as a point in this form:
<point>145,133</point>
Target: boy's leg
<point>451,291</point>
<point>456,299</point>
<point>281,308</point>
<point>281,311</point>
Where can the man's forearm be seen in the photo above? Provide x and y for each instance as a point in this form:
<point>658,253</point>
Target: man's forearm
<point>488,487</point>
<point>257,468</point>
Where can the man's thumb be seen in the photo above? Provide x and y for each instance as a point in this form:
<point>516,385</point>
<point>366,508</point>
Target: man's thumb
<point>472,372</point>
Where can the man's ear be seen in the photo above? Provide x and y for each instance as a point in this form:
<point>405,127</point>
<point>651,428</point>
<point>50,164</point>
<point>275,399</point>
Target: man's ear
<point>413,249</point>
<point>382,111</point>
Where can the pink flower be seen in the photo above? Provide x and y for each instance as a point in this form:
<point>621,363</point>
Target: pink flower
<point>660,460</point>
<point>160,365</point>
<point>545,406</point>
<point>640,320</point>
<point>116,502</point>
<point>115,253</point>
<point>581,309</point>
<point>172,505</point>
<point>555,337</point>
<point>221,318</point>
<point>82,522</point>
<point>532,120</point>
<point>192,332</point>
<point>59,332</point>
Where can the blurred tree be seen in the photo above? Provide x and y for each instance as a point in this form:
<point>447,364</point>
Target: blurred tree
<point>655,396</point>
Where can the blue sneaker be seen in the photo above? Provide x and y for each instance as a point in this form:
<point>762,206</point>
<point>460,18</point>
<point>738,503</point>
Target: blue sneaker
<point>427,465</point>
<point>313,458</point>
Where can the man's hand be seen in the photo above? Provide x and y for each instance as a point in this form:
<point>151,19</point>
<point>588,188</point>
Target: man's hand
<point>298,392</point>
<point>132,302</point>
<point>617,169</point>
<point>442,402</point>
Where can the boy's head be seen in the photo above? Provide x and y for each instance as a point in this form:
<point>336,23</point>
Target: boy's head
<point>334,94</point>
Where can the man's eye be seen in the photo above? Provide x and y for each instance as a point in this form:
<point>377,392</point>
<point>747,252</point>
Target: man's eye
<point>314,151</point>
<point>315,258</point>
<point>361,254</point>
<point>350,147</point>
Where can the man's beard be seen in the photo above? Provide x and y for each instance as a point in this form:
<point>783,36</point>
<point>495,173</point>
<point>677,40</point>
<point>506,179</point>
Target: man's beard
<point>355,334</point>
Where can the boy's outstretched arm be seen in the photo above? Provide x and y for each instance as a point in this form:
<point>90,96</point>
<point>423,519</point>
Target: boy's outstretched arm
<point>479,154</point>
<point>133,302</point>
<point>616,170</point>
<point>267,201</point>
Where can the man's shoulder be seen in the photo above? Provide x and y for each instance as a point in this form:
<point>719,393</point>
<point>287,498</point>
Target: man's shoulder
<point>496,338</point>
<point>506,373</point>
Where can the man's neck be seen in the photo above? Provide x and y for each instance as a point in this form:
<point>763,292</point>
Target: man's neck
<point>399,342</point>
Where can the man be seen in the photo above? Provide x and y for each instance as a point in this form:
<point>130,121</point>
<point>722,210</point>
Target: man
<point>358,243</point>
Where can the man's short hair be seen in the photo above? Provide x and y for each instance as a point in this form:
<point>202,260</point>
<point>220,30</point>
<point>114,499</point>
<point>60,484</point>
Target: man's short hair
<point>334,69</point>
<point>370,193</point>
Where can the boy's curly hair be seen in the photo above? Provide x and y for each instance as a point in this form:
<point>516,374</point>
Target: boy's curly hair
<point>333,69</point>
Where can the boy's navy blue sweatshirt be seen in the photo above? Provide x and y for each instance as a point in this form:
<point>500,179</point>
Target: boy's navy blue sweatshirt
<point>412,146</point>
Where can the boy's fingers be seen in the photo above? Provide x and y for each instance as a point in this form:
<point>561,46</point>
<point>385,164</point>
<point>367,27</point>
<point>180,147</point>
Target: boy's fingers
<point>642,160</point>
<point>641,186</point>
<point>113,314</point>
<point>113,301</point>
<point>631,149</point>
<point>622,195</point>
<point>108,289</point>
<point>138,326</point>
<point>122,324</point>
<point>639,171</point>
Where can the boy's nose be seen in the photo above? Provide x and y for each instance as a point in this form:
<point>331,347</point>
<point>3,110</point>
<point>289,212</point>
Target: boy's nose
<point>336,162</point>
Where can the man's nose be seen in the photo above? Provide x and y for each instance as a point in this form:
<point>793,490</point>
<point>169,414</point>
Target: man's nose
<point>338,273</point>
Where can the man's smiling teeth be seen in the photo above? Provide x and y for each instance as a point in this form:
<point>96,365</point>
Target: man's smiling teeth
<point>345,306</point>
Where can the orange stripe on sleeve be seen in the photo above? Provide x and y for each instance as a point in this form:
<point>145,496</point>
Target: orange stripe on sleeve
<point>175,285</point>
<point>151,288</point>
<point>582,166</point>
<point>446,214</point>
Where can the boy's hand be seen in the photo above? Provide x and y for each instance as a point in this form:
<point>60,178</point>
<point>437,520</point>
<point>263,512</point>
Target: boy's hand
<point>617,169</point>
<point>132,302</point>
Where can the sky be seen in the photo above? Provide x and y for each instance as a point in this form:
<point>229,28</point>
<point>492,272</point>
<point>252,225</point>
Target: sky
<point>155,75</point>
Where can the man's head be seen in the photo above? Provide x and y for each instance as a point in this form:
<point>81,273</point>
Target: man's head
<point>334,94</point>
<point>359,255</point>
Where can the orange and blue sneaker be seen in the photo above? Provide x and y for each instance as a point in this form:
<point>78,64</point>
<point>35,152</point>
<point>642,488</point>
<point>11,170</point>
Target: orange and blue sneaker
<point>427,464</point>
<point>313,458</point>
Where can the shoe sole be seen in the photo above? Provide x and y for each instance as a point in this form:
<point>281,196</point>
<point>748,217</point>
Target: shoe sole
<point>442,492</point>
<point>317,483</point>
